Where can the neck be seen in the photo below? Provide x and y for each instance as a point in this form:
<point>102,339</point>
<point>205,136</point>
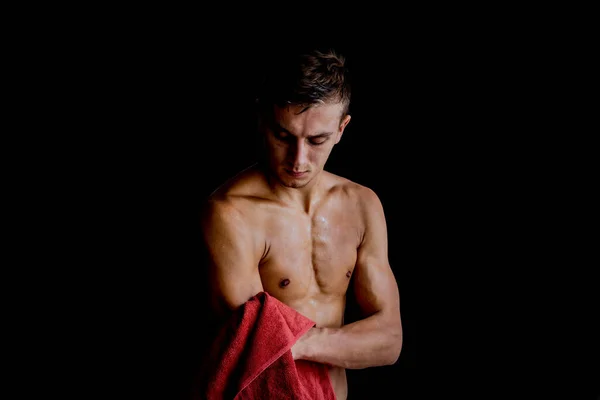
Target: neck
<point>304,197</point>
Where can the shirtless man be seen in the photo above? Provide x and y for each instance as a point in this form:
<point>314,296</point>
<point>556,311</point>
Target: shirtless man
<point>288,227</point>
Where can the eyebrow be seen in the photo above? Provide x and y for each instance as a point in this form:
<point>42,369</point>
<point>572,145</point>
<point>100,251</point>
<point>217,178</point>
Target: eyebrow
<point>318,135</point>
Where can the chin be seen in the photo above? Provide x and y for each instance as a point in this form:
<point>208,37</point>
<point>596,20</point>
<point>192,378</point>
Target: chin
<point>294,183</point>
<point>291,183</point>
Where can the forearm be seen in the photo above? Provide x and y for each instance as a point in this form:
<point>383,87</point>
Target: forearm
<point>374,341</point>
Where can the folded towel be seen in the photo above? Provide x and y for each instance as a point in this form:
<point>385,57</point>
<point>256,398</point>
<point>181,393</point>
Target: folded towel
<point>251,357</point>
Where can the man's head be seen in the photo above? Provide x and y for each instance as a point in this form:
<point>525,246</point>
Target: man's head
<point>303,110</point>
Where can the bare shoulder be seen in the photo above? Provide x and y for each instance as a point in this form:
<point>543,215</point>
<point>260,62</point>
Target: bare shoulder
<point>362,196</point>
<point>230,221</point>
<point>248,182</point>
<point>237,195</point>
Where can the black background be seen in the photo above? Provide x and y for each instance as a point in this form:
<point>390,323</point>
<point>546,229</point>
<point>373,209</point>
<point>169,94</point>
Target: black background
<point>173,118</point>
<point>144,113</point>
<point>162,115</point>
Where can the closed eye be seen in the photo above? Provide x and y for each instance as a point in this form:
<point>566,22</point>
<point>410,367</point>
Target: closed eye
<point>281,135</point>
<point>317,142</point>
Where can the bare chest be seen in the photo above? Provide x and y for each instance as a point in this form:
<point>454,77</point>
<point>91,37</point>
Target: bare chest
<point>310,255</point>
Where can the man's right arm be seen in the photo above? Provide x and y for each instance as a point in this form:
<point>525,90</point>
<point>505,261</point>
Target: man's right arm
<point>232,255</point>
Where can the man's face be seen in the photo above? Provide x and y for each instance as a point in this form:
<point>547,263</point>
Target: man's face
<point>299,142</point>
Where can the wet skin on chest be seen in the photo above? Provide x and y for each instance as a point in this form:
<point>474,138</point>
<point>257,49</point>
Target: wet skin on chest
<point>311,258</point>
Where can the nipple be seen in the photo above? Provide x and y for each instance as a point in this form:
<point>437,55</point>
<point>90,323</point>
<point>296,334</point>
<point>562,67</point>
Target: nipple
<point>348,274</point>
<point>284,282</point>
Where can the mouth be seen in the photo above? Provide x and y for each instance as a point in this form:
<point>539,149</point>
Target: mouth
<point>296,174</point>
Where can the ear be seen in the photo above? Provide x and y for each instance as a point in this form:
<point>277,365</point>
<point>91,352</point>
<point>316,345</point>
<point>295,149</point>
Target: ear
<point>343,125</point>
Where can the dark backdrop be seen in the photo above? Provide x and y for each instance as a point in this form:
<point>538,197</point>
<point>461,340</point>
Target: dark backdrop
<point>456,125</point>
<point>172,118</point>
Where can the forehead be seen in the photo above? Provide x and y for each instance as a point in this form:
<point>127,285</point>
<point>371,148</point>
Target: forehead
<point>302,121</point>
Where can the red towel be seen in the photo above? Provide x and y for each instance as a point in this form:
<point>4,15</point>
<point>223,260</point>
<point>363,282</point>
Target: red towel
<point>251,357</point>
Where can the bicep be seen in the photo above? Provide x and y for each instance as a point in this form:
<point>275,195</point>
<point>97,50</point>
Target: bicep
<point>375,285</point>
<point>232,259</point>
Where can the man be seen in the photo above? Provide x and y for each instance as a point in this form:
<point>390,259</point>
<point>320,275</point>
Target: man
<point>302,234</point>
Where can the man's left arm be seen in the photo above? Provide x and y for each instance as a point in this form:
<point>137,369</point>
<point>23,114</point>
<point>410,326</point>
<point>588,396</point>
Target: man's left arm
<point>377,339</point>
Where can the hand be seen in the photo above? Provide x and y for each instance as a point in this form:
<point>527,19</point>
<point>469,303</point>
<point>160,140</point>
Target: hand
<point>295,349</point>
<point>299,346</point>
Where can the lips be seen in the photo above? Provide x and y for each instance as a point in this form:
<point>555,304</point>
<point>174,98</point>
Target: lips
<point>296,174</point>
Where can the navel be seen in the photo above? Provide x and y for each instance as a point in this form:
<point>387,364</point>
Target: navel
<point>348,274</point>
<point>284,282</point>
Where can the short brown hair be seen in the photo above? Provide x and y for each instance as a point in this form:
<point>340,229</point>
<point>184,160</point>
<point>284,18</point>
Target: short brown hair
<point>306,78</point>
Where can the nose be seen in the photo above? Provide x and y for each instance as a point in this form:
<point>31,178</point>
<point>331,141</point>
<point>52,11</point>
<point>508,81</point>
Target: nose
<point>299,154</point>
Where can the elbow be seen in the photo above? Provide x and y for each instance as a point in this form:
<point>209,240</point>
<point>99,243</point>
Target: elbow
<point>395,348</point>
<point>395,354</point>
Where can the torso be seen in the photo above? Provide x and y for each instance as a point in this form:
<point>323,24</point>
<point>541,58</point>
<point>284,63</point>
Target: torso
<point>308,257</point>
